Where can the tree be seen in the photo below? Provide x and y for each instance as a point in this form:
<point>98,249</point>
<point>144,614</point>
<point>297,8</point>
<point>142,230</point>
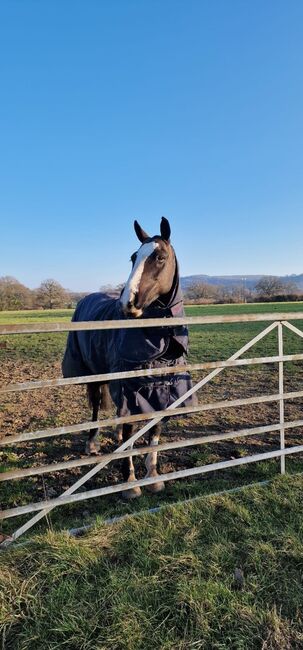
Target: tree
<point>73,297</point>
<point>112,291</point>
<point>13,294</point>
<point>269,285</point>
<point>201,291</point>
<point>290,287</point>
<point>50,295</point>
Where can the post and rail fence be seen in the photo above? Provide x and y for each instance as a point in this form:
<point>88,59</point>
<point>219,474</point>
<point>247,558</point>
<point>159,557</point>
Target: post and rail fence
<point>278,321</point>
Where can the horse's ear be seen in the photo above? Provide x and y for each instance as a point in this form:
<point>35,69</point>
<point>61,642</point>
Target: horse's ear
<point>141,234</point>
<point>165,229</point>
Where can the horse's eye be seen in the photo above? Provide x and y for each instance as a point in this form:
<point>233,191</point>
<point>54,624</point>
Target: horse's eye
<point>160,259</point>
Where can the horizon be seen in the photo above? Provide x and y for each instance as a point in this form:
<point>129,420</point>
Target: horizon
<point>113,286</point>
<point>130,110</point>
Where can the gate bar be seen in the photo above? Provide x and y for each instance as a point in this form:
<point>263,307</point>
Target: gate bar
<point>35,328</point>
<point>293,328</point>
<point>115,421</point>
<point>112,489</point>
<point>142,451</point>
<point>281,400</point>
<point>191,367</point>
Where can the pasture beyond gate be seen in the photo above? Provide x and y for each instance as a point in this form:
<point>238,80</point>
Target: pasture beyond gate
<point>278,322</point>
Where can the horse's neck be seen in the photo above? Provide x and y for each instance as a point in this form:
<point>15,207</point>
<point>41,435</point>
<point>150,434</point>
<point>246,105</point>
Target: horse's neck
<point>167,298</point>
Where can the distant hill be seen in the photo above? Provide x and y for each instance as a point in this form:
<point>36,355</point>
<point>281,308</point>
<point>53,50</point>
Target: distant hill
<point>232,281</point>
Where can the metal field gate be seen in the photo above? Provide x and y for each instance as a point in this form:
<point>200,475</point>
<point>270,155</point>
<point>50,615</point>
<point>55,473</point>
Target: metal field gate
<point>278,322</point>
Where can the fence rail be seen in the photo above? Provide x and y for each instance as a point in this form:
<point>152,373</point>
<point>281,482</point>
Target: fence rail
<point>277,321</point>
<point>149,372</point>
<point>142,451</point>
<point>35,328</point>
<point>113,489</point>
<point>132,419</point>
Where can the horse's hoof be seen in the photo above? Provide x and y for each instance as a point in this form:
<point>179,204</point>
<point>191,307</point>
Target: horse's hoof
<point>154,488</point>
<point>133,493</point>
<point>92,447</point>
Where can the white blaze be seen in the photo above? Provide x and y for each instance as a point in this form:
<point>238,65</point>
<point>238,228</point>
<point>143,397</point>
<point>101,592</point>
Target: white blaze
<point>133,282</point>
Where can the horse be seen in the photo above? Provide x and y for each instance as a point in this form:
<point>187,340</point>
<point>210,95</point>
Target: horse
<point>151,291</point>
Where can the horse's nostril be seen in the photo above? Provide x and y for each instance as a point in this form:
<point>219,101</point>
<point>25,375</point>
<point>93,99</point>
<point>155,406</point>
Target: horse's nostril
<point>133,303</point>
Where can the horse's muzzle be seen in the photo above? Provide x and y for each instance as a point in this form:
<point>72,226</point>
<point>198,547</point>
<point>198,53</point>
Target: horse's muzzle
<point>131,311</point>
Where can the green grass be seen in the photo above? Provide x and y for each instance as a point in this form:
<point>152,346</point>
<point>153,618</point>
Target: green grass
<point>207,342</point>
<point>245,308</point>
<point>217,341</point>
<point>34,315</point>
<point>165,581</point>
<point>34,348</point>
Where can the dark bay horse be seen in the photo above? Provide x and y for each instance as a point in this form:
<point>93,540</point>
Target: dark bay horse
<point>152,290</point>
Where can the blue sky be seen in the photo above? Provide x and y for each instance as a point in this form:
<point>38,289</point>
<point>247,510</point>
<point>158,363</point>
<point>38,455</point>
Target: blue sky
<point>112,110</point>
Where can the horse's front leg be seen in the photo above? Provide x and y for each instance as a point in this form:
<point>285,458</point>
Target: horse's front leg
<point>128,469</point>
<point>151,461</point>
<point>119,434</point>
<point>94,396</point>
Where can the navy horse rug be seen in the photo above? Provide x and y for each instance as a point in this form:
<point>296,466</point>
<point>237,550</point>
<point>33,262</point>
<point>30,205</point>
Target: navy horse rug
<point>105,351</point>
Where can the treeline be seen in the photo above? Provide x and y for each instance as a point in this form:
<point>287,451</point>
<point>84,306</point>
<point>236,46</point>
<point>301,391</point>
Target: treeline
<point>268,289</point>
<point>49,295</point>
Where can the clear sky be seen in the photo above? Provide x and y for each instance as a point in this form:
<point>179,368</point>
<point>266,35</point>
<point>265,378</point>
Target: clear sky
<point>112,110</point>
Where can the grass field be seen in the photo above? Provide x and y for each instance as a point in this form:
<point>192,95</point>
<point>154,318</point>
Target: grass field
<point>163,581</point>
<point>224,572</point>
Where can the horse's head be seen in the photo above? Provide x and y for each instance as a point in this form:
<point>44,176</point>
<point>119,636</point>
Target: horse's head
<point>153,271</point>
